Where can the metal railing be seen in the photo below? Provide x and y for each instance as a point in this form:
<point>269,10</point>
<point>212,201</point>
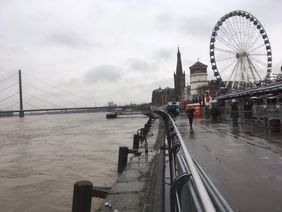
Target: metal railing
<point>190,187</point>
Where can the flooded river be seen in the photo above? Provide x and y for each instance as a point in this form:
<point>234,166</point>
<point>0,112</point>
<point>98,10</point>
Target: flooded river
<point>42,156</point>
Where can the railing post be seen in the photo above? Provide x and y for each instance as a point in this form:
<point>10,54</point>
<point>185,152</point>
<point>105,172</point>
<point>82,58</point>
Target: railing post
<point>136,141</point>
<point>82,195</point>
<point>122,158</point>
<point>176,188</point>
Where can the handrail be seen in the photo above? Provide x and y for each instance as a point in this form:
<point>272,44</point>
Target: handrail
<point>219,199</point>
<point>204,196</point>
<point>207,203</point>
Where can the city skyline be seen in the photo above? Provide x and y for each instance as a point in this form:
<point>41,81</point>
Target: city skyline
<point>117,50</point>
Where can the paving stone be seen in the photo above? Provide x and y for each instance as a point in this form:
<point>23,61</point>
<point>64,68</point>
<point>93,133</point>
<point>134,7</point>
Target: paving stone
<point>129,186</point>
<point>124,202</point>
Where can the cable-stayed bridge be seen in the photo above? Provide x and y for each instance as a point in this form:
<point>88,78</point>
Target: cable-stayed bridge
<point>22,93</point>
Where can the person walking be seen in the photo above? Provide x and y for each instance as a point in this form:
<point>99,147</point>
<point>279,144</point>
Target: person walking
<point>190,115</point>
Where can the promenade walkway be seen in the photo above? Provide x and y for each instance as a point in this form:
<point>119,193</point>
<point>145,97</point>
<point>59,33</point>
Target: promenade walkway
<point>244,164</point>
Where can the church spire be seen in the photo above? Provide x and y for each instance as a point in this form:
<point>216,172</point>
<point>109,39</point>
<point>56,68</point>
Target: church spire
<point>179,64</point>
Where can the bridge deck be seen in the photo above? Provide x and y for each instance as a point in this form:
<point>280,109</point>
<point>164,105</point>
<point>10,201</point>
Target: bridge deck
<point>245,165</point>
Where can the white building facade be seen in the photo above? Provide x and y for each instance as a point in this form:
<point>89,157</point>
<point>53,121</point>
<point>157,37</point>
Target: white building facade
<point>198,79</point>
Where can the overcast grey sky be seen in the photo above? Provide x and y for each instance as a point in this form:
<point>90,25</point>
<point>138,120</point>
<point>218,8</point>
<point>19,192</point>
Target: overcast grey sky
<point>117,50</point>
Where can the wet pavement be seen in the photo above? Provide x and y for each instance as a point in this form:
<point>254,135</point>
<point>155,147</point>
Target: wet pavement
<point>244,163</point>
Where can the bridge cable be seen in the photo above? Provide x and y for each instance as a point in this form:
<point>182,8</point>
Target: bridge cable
<point>65,100</point>
<point>40,99</point>
<point>59,88</point>
<point>8,77</point>
<point>8,87</point>
<point>32,105</point>
<point>10,105</point>
<point>2,100</point>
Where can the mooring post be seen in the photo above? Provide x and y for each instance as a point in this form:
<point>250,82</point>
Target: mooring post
<point>143,132</point>
<point>122,158</point>
<point>82,195</point>
<point>147,126</point>
<point>136,141</point>
<point>149,122</point>
<point>21,113</point>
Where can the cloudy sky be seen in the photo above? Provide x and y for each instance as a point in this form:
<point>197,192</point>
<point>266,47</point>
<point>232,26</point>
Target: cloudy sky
<point>117,50</point>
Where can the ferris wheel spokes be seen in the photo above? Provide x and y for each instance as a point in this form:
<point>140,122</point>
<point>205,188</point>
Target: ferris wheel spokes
<point>231,26</point>
<point>229,37</point>
<point>234,81</point>
<point>226,43</point>
<point>262,45</point>
<point>238,31</point>
<point>234,71</point>
<point>253,42</point>
<point>225,50</point>
<point>254,70</point>
<point>228,66</point>
<point>257,54</point>
<point>251,70</point>
<point>240,49</point>
<point>258,68</point>
<point>226,58</point>
<point>258,61</point>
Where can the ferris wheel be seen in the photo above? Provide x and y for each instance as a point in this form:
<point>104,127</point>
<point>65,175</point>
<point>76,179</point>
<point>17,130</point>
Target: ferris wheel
<point>240,51</point>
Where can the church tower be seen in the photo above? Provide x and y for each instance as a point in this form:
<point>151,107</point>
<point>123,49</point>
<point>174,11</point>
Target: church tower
<point>179,78</point>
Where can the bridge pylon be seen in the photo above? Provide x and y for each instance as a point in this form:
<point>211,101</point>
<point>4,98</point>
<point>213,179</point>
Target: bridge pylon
<point>21,113</point>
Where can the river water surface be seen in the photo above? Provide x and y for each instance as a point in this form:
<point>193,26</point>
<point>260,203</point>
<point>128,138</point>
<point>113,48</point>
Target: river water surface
<point>42,156</point>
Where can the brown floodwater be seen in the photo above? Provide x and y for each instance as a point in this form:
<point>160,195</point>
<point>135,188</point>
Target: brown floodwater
<point>42,156</point>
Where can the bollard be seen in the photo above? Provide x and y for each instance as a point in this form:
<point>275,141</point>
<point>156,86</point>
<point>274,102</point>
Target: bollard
<point>147,126</point>
<point>146,130</point>
<point>136,141</point>
<point>142,132</point>
<point>146,147</point>
<point>82,195</point>
<point>122,158</point>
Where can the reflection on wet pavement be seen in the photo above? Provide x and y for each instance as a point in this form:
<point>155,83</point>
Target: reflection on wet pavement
<point>245,163</point>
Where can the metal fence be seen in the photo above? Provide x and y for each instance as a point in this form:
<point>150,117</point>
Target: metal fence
<point>190,187</point>
<point>268,117</point>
